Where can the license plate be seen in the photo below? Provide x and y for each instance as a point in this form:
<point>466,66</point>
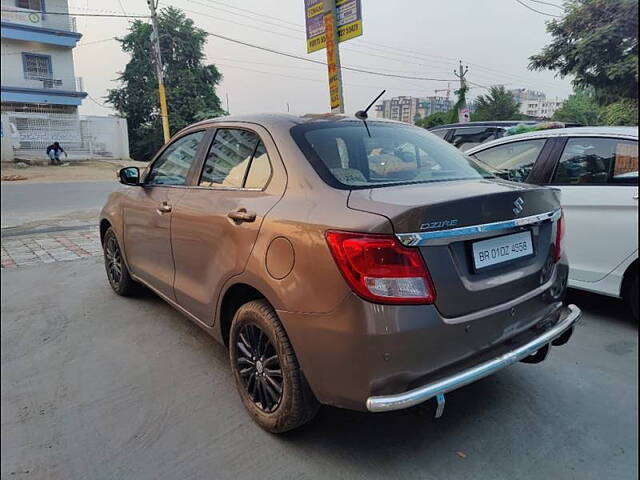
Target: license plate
<point>501,249</point>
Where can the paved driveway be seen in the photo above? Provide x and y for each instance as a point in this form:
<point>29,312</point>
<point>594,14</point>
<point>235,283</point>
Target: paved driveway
<point>100,387</point>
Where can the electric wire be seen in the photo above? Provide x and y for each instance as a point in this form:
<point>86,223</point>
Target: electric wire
<point>537,11</point>
<point>77,14</point>
<point>298,57</point>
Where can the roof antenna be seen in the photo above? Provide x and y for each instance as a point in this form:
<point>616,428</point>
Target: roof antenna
<point>362,114</point>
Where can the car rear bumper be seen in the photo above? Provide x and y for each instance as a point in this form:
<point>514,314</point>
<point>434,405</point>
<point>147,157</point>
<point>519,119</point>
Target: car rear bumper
<point>384,403</point>
<point>362,350</point>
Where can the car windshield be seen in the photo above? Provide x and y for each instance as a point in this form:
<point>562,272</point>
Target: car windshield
<point>347,155</point>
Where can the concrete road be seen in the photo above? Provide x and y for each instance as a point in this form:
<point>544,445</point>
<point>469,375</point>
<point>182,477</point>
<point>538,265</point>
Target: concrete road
<point>25,203</point>
<point>96,386</point>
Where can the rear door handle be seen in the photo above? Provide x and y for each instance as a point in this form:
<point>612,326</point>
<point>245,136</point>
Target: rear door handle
<point>164,208</point>
<point>241,215</point>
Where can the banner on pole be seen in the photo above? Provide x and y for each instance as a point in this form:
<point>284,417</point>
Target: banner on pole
<point>349,22</point>
<point>464,115</point>
<point>332,62</point>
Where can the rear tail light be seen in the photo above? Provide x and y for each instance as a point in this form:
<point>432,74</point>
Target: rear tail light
<point>559,237</point>
<point>380,269</point>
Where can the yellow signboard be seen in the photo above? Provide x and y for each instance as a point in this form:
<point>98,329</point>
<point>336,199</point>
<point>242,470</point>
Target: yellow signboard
<point>349,22</point>
<point>332,62</point>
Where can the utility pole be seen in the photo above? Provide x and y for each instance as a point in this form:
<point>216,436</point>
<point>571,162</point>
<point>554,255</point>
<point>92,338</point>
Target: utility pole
<point>164,113</point>
<point>333,56</point>
<point>463,111</point>
<point>460,74</point>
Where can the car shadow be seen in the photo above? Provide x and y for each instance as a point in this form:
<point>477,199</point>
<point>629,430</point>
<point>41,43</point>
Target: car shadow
<point>414,435</point>
<point>613,309</point>
<point>485,421</point>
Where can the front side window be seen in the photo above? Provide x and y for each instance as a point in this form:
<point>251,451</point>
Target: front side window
<point>598,161</point>
<point>467,137</point>
<point>237,159</point>
<point>36,66</point>
<point>346,154</point>
<point>173,165</point>
<point>513,161</point>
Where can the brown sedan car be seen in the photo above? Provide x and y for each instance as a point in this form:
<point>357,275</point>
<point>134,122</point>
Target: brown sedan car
<point>368,266</point>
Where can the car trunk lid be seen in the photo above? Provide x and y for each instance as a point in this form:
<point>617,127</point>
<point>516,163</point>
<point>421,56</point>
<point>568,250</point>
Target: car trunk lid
<point>439,219</point>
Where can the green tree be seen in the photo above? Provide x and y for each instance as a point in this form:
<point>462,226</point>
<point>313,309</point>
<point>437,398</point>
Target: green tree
<point>435,119</point>
<point>460,103</point>
<point>498,104</point>
<point>622,112</point>
<point>597,42</point>
<point>581,107</point>
<point>190,83</point>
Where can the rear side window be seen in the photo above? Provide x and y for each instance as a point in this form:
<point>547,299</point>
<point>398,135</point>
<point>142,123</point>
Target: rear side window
<point>440,133</point>
<point>172,167</point>
<point>513,161</point>
<point>598,161</point>
<point>467,137</point>
<point>348,155</point>
<point>228,158</point>
<point>260,169</point>
<point>236,159</point>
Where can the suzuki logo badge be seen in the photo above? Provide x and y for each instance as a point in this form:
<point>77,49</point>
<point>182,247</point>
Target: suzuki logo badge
<point>518,206</point>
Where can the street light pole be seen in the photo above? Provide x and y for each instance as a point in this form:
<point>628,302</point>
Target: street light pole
<point>164,112</point>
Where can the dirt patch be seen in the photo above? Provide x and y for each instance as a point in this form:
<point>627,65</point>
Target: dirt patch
<point>78,171</point>
<point>12,178</point>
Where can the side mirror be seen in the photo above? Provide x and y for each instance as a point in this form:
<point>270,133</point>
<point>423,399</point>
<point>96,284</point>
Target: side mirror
<point>129,176</point>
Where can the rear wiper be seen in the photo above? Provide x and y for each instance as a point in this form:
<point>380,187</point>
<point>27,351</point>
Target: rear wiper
<point>362,114</point>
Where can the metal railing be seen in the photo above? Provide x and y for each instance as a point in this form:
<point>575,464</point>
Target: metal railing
<point>37,18</point>
<point>53,82</point>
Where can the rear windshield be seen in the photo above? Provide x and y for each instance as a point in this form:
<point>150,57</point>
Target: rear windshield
<point>345,155</point>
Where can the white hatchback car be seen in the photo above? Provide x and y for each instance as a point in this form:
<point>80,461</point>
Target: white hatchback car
<point>597,170</point>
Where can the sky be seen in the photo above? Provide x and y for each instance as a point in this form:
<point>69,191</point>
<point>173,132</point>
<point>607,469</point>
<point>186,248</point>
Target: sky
<point>417,38</point>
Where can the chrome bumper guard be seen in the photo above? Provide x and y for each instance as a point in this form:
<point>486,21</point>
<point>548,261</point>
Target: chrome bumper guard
<point>386,403</point>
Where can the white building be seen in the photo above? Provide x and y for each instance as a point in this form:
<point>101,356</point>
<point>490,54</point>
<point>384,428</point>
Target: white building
<point>40,92</point>
<point>408,109</point>
<point>535,103</point>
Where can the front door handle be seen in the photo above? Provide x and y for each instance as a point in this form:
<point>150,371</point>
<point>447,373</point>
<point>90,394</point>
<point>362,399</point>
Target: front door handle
<point>241,215</point>
<point>164,208</point>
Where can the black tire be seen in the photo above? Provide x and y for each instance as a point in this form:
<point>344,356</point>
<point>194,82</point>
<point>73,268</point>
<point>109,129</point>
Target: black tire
<point>256,333</point>
<point>117,272</point>
<point>632,297</point>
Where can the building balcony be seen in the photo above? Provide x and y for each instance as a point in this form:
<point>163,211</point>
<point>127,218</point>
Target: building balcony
<point>37,26</point>
<point>43,90</point>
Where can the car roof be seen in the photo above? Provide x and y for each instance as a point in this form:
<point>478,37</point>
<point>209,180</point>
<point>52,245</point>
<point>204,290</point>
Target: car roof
<point>626,132</point>
<point>494,123</point>
<point>285,120</point>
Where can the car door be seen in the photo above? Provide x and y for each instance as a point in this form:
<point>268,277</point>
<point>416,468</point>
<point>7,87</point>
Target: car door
<point>216,223</point>
<point>147,213</point>
<point>599,182</point>
<point>514,160</point>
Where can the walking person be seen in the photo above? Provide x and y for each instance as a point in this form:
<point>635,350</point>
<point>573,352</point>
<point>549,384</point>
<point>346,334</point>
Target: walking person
<point>53,152</point>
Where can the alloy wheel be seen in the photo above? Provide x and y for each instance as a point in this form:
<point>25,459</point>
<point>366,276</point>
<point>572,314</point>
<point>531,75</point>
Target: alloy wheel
<point>113,260</point>
<point>259,367</point>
